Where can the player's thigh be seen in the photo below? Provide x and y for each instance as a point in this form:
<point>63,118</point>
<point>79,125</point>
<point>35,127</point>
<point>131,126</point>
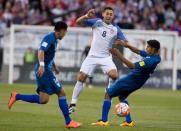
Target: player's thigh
<point>81,76</point>
<point>88,66</point>
<point>108,67</point>
<point>56,85</point>
<point>44,83</point>
<point>48,83</point>
<point>120,88</point>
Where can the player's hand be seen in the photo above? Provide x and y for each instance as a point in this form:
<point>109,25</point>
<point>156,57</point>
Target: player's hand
<point>41,71</point>
<point>115,52</point>
<point>57,70</point>
<point>91,13</point>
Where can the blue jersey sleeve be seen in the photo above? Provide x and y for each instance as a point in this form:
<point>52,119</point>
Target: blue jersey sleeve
<point>120,34</point>
<point>90,22</point>
<point>143,53</point>
<point>145,63</point>
<point>45,44</point>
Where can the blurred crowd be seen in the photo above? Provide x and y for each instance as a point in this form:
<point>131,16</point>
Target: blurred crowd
<point>129,14</point>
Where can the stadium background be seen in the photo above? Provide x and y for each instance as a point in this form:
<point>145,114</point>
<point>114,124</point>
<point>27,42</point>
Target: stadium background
<point>152,109</point>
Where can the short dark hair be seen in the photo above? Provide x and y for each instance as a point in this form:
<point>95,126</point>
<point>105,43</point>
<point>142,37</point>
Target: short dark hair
<point>107,8</point>
<point>154,43</point>
<point>60,25</point>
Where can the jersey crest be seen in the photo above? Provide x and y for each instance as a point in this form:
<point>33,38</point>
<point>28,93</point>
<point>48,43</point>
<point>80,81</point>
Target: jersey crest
<point>141,63</point>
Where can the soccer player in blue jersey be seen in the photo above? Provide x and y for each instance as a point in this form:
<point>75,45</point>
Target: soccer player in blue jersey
<point>47,84</point>
<point>105,33</point>
<point>140,73</point>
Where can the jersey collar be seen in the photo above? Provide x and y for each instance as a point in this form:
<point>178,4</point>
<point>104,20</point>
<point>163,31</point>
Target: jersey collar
<point>106,25</point>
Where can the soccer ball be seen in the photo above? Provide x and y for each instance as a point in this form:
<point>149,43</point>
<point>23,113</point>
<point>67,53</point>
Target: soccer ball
<point>122,109</point>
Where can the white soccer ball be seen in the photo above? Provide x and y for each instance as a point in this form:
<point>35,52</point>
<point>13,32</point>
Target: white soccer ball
<point>122,109</point>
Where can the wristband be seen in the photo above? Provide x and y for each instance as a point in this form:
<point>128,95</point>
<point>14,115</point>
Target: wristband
<point>42,63</point>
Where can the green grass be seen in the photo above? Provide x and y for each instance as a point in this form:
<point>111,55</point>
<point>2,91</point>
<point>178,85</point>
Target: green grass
<point>152,110</point>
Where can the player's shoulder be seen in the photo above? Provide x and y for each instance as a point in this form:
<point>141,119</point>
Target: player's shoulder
<point>157,59</point>
<point>153,59</point>
<point>98,19</point>
<point>98,22</point>
<point>117,27</point>
<point>50,36</point>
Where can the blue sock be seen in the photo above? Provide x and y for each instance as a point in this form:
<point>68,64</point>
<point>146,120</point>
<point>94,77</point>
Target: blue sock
<point>29,98</point>
<point>128,117</point>
<point>105,109</point>
<point>64,107</point>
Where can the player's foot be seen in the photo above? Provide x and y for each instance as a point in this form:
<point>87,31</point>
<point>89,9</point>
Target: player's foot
<point>72,108</point>
<point>100,123</point>
<point>73,124</point>
<point>131,124</point>
<point>12,99</point>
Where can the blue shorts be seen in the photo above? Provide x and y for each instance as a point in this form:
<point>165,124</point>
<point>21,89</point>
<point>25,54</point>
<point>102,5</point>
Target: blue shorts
<point>122,88</point>
<point>47,83</point>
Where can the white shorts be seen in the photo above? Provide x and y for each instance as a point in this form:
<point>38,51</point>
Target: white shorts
<point>91,62</point>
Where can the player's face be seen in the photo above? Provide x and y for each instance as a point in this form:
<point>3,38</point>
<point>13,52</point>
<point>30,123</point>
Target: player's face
<point>149,50</point>
<point>60,34</point>
<point>108,16</point>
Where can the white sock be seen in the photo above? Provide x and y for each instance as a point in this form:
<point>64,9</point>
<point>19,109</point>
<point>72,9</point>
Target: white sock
<point>76,92</point>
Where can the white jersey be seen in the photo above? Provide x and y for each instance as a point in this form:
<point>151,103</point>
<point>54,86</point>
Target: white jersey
<point>104,36</point>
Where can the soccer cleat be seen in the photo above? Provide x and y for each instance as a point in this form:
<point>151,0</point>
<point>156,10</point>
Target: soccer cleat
<point>100,123</point>
<point>12,99</point>
<point>72,108</point>
<point>131,124</point>
<point>73,124</point>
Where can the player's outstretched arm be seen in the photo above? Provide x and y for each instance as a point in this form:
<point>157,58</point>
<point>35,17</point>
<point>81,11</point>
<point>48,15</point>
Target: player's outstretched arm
<point>127,45</point>
<point>90,14</point>
<point>120,56</point>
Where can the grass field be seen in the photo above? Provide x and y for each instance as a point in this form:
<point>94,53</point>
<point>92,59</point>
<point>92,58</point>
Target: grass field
<point>152,110</point>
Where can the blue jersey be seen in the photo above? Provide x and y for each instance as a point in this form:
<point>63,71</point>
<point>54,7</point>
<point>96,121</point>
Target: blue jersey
<point>49,45</point>
<point>135,80</point>
<point>48,83</point>
<point>143,69</point>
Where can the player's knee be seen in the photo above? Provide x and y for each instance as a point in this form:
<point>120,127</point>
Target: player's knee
<point>114,77</point>
<point>82,77</point>
<point>61,93</point>
<point>107,96</point>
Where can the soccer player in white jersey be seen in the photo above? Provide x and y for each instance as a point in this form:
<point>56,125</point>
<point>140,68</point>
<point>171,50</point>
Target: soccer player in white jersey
<point>104,35</point>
